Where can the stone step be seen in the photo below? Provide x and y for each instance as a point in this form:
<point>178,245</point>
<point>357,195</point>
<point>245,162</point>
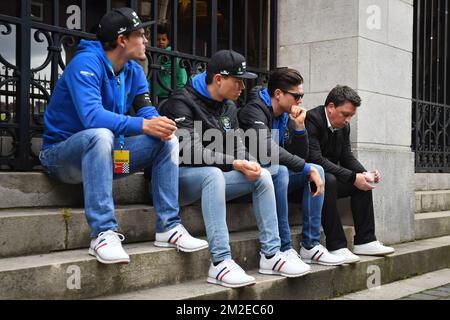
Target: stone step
<point>33,231</point>
<point>404,288</point>
<point>36,189</point>
<point>432,181</point>
<point>432,201</point>
<point>54,275</point>
<point>432,224</point>
<point>323,282</point>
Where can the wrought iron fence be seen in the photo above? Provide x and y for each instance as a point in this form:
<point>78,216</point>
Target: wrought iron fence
<point>431,94</point>
<point>198,29</point>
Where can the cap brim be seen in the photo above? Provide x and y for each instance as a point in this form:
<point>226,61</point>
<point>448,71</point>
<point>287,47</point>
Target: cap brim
<point>142,25</point>
<point>247,75</point>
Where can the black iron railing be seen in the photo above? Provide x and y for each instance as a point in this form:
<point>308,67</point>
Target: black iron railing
<point>431,94</point>
<point>198,29</point>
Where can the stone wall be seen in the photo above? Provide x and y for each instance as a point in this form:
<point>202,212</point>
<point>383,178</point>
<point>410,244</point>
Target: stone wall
<point>368,46</point>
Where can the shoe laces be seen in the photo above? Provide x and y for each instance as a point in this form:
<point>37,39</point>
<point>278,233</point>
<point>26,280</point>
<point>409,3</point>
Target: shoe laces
<point>291,254</point>
<point>113,238</point>
<point>233,266</point>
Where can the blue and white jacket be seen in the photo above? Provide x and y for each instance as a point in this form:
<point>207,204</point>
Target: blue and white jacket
<point>85,97</point>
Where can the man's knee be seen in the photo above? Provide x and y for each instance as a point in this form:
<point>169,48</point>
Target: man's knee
<point>213,175</point>
<point>101,139</point>
<point>279,173</point>
<point>265,179</point>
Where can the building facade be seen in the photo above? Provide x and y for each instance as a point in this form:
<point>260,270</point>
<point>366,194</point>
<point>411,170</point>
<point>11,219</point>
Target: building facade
<point>393,52</point>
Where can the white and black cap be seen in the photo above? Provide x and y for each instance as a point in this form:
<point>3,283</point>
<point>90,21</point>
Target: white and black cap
<point>119,21</point>
<point>229,63</point>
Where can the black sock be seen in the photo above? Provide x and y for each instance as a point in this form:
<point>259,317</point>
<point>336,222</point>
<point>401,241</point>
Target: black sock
<point>269,257</point>
<point>217,263</point>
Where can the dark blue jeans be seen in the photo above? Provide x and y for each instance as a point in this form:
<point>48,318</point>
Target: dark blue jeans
<point>87,157</point>
<point>286,181</point>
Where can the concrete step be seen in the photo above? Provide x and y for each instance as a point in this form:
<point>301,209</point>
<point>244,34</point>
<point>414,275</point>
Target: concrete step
<point>36,189</point>
<point>33,231</point>
<point>432,224</point>
<point>432,201</point>
<point>410,259</point>
<point>432,181</point>
<point>403,288</point>
<point>55,275</point>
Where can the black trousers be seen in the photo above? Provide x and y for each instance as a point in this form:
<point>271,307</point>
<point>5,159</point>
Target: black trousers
<point>362,211</point>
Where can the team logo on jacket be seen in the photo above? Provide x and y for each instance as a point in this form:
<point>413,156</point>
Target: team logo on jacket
<point>225,122</point>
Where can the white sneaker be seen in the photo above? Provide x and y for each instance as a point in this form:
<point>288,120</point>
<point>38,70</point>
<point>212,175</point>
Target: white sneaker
<point>375,248</point>
<point>229,274</point>
<point>281,264</point>
<point>346,254</point>
<point>107,248</point>
<point>179,238</point>
<point>292,254</point>
<point>320,255</point>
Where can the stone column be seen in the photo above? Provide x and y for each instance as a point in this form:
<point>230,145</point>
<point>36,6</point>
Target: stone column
<point>366,44</point>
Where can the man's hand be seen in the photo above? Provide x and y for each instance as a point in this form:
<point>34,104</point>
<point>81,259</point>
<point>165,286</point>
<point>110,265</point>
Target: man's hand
<point>362,184</point>
<point>317,179</point>
<point>251,170</point>
<point>298,115</point>
<point>160,127</point>
<point>377,175</point>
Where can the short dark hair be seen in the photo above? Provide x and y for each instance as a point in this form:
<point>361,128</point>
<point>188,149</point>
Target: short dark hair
<point>163,28</point>
<point>111,45</point>
<point>283,79</point>
<point>342,94</point>
<point>209,77</point>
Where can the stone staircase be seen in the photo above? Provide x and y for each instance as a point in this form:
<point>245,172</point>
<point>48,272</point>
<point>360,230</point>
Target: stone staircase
<point>44,239</point>
<point>432,218</point>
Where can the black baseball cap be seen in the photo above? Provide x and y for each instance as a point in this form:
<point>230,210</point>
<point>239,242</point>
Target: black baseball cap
<point>119,21</point>
<point>229,63</point>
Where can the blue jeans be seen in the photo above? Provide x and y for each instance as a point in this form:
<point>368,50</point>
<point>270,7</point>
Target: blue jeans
<point>214,187</point>
<point>286,181</point>
<point>87,157</point>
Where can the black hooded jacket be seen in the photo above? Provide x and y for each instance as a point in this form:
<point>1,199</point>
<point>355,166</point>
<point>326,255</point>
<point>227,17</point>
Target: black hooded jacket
<point>258,116</point>
<point>188,105</point>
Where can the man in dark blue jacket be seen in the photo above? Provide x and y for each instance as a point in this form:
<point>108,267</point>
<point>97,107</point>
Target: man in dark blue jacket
<point>89,137</point>
<point>276,116</point>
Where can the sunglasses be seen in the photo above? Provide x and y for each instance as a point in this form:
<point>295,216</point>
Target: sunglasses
<point>297,96</point>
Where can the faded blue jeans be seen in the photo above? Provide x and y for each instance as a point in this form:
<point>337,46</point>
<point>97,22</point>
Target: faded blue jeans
<point>214,187</point>
<point>286,181</point>
<point>87,157</point>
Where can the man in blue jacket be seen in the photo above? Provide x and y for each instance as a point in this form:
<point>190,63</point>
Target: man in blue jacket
<point>89,137</point>
<point>274,113</point>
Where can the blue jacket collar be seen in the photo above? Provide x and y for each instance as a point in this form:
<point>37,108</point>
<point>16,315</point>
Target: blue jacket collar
<point>199,84</point>
<point>264,95</point>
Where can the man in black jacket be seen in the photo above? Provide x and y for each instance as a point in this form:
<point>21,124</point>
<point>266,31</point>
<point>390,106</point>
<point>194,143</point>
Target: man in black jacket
<point>329,145</point>
<point>214,172</point>
<point>274,113</point>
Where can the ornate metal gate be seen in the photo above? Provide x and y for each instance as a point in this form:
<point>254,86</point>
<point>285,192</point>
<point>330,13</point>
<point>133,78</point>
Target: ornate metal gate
<point>431,92</point>
<point>39,37</point>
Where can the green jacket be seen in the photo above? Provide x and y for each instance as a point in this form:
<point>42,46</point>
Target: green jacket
<point>164,75</point>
